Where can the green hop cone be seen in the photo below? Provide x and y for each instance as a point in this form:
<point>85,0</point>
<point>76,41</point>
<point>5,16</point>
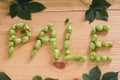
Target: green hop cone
<point>45,39</point>
<point>98,58</point>
<point>42,34</point>
<point>26,27</point>
<point>83,58</point>
<point>67,51</point>
<point>93,31</point>
<point>75,58</point>
<point>37,44</point>
<point>67,57</point>
<point>50,25</point>
<point>13,26</point>
<point>110,44</point>
<point>67,36</point>
<point>11,51</point>
<point>33,54</point>
<point>98,44</point>
<point>12,38</point>
<point>12,32</point>
<point>17,41</point>
<point>109,58</point>
<point>106,28</point>
<point>52,40</point>
<point>20,25</point>
<point>54,45</point>
<point>105,44</point>
<point>53,34</point>
<point>25,39</point>
<point>69,28</point>
<point>66,44</point>
<point>92,46</point>
<point>104,58</point>
<point>28,33</point>
<point>56,54</point>
<point>99,28</point>
<point>11,44</point>
<point>45,29</point>
<point>93,56</point>
<point>94,37</point>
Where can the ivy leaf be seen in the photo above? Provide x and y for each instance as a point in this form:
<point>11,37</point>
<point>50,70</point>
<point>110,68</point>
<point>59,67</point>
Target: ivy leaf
<point>37,78</point>
<point>102,15</point>
<point>36,7</point>
<point>97,9</point>
<point>50,79</point>
<point>4,76</point>
<point>90,15</point>
<point>110,76</point>
<point>13,10</point>
<point>95,73</point>
<point>86,77</point>
<point>24,13</point>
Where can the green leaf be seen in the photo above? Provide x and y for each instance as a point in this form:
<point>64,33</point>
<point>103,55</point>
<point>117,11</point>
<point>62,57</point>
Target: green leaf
<point>36,7</point>
<point>100,4</point>
<point>102,15</point>
<point>66,21</point>
<point>37,78</point>
<point>95,73</point>
<point>13,10</point>
<point>97,9</point>
<point>86,77</point>
<point>50,79</point>
<point>24,8</point>
<point>106,5</point>
<point>24,13</point>
<point>90,15</point>
<point>110,76</point>
<point>23,1</point>
<point>4,76</point>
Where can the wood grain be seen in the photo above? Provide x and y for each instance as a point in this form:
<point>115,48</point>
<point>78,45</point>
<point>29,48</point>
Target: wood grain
<point>64,5</point>
<point>20,67</point>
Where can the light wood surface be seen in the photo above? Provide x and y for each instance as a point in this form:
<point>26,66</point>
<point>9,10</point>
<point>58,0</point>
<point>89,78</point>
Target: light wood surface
<point>20,67</point>
<point>65,5</point>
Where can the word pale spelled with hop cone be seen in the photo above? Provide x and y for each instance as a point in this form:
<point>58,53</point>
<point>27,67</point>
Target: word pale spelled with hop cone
<point>13,40</point>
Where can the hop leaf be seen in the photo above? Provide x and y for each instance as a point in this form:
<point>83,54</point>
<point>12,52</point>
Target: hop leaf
<point>4,76</point>
<point>37,78</point>
<point>24,8</point>
<point>97,10</point>
<point>95,74</point>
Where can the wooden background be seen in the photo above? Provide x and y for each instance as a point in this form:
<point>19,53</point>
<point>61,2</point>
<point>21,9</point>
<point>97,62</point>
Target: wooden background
<point>20,67</point>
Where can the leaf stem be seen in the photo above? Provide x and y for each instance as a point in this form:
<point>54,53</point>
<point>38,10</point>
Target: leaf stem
<point>85,3</point>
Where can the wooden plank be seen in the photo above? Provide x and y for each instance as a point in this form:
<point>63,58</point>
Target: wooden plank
<point>20,67</point>
<point>63,5</point>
